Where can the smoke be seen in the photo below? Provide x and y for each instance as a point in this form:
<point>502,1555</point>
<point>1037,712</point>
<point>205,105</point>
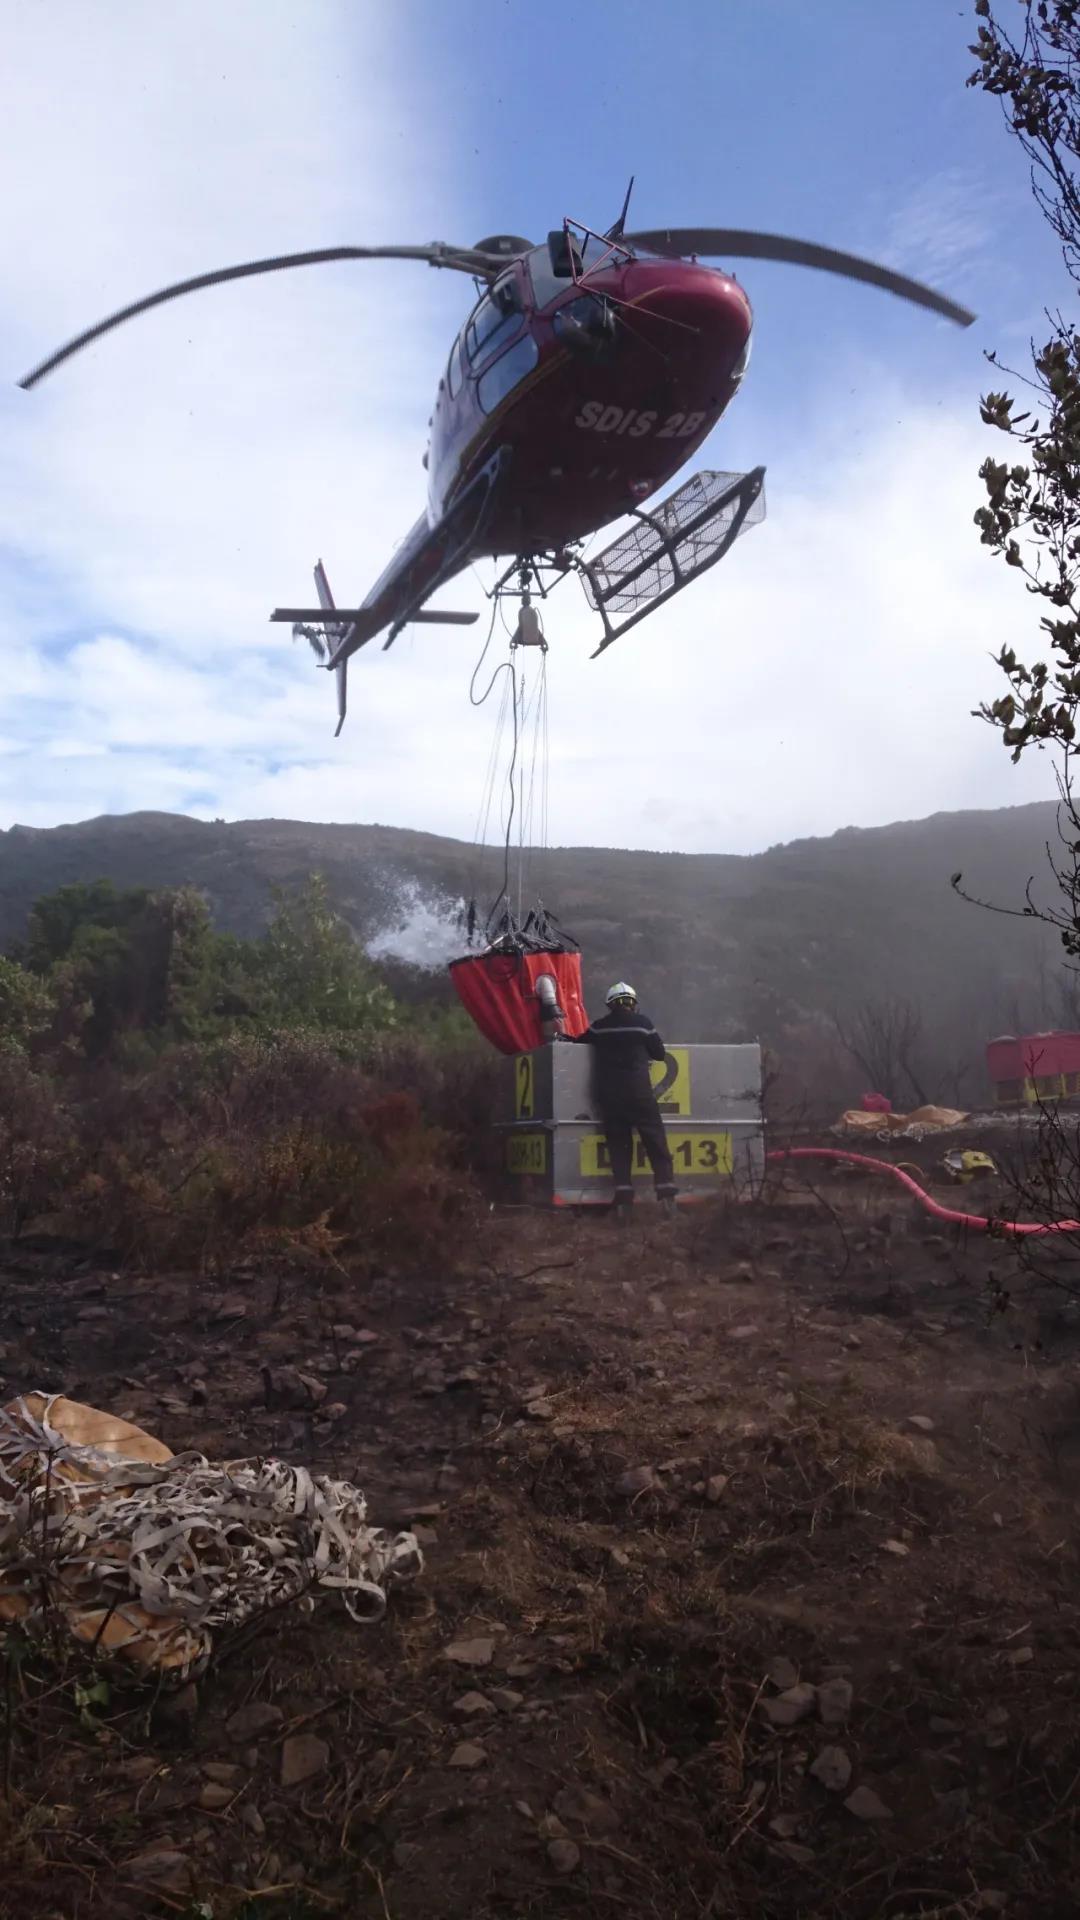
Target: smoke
<point>425,931</point>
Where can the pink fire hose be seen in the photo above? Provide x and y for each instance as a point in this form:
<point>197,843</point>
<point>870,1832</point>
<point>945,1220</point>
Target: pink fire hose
<point>975,1222</point>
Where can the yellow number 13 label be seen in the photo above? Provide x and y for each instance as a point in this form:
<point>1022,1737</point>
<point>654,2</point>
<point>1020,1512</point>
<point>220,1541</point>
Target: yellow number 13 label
<point>701,1153</point>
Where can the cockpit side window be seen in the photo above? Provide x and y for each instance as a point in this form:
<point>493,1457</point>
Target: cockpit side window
<point>490,328</point>
<point>504,374</point>
<point>738,371</point>
<point>453,371</point>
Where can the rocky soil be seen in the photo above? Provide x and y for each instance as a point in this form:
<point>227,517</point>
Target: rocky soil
<point>751,1584</point>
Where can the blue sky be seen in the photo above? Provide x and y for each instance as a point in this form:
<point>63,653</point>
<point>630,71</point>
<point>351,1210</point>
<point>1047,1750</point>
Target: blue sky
<point>162,494</point>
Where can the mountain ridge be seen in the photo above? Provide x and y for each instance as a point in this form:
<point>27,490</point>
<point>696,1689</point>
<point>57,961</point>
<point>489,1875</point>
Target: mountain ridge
<point>718,945</point>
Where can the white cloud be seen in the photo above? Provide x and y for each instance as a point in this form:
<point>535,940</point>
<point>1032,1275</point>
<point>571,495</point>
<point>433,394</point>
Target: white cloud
<point>164,491</point>
<point>943,225</point>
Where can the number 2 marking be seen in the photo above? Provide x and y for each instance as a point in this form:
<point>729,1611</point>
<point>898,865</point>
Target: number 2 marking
<point>671,1073</point>
<point>524,1087</point>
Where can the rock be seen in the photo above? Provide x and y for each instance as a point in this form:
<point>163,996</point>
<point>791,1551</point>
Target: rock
<point>471,1704</point>
<point>637,1480</point>
<point>1021,1656</point>
<point>231,1306</point>
<point>990,1900</point>
<point>716,1486</point>
<point>996,1735</point>
<point>303,1755</point>
<point>587,1809</point>
<point>214,1797</point>
<point>162,1867</point>
<point>334,1410</point>
<point>834,1702</point>
<point>253,1820</point>
<point>563,1855</point>
<point>790,1706</point>
<point>254,1722</point>
<point>656,1776</point>
<point>288,1387</point>
<point>853,1342</point>
<point>468,1755</point>
<point>142,1766</point>
<point>832,1768</point>
<point>783,1673</point>
<point>470,1653</point>
<point>619,1557</point>
<point>224,1772</point>
<point>801,1856</point>
<point>922,1421</point>
<point>549,1826</point>
<point>506,1699</point>
<point>955,1804</point>
<point>539,1410</point>
<point>742,1333</point>
<point>426,1536</point>
<point>865,1805</point>
<point>785,1825</point>
<point>897,1547</point>
<point>199,1394</point>
<point>181,1705</point>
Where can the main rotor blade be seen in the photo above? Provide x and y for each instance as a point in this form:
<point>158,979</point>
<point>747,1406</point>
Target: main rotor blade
<point>738,243</point>
<point>438,254</point>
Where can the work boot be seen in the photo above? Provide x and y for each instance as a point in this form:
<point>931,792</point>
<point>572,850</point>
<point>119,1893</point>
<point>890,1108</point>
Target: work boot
<point>666,1197</point>
<point>622,1203</point>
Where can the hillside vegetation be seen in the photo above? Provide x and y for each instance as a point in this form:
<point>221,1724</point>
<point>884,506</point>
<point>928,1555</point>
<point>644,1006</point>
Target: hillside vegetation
<point>170,1092</point>
<point>719,946</point>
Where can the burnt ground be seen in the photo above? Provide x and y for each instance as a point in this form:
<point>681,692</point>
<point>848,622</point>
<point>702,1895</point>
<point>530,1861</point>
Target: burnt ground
<point>863,1478</point>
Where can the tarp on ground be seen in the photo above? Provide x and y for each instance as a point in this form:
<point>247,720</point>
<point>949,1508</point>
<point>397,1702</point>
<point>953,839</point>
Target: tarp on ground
<point>879,1125</point>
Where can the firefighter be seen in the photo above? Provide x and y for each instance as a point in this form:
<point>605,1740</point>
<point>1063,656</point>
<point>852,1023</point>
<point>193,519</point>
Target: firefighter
<point>623,1044</point>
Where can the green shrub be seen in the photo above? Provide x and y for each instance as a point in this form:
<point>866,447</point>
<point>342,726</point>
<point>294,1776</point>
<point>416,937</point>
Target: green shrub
<point>39,1148</point>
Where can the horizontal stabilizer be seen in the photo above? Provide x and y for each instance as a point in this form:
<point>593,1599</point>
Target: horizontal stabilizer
<point>432,616</point>
<point>346,616</point>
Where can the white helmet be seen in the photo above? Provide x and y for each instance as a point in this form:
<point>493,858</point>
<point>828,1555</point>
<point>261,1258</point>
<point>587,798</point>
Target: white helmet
<point>620,995</point>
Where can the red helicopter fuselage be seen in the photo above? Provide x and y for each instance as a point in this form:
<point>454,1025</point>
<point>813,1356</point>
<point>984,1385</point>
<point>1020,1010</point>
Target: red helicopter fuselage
<point>599,386</point>
<point>588,372</point>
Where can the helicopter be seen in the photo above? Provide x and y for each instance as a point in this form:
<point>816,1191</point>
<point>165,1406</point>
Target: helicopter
<point>588,372</point>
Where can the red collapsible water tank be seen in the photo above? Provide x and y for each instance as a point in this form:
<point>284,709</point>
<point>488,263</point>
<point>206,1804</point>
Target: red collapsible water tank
<point>498,992</point>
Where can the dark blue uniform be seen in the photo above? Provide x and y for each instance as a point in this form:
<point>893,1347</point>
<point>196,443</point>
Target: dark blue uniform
<point>623,1043</point>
